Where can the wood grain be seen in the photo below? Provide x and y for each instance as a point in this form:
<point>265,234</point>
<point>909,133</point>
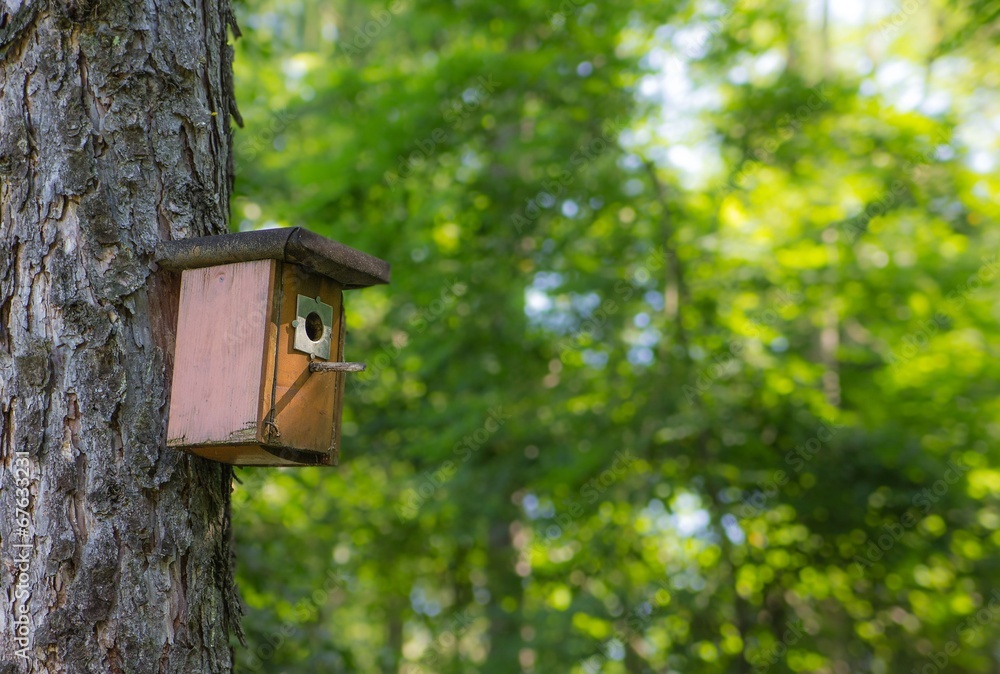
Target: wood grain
<point>220,356</point>
<point>304,402</point>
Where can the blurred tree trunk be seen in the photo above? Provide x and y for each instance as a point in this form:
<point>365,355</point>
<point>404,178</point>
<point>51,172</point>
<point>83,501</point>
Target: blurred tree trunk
<point>393,635</point>
<point>504,583</point>
<point>114,134</point>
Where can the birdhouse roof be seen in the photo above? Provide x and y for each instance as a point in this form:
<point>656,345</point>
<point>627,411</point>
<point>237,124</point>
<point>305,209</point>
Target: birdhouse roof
<point>349,267</point>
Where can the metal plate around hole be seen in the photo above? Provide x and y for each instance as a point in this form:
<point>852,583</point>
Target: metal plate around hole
<point>303,307</point>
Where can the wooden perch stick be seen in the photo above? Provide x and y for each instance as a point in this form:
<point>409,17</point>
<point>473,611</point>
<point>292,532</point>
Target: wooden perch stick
<point>337,367</point>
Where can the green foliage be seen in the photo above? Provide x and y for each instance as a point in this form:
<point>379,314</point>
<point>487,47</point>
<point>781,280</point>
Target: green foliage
<point>689,359</point>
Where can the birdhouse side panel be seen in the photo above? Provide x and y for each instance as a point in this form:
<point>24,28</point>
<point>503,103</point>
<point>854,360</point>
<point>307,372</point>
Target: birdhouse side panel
<point>220,356</point>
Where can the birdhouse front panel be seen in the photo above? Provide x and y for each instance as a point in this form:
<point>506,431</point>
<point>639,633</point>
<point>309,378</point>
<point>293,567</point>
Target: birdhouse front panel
<point>303,408</point>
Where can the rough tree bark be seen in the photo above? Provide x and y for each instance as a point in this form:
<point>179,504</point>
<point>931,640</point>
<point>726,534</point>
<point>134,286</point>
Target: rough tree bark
<point>114,134</point>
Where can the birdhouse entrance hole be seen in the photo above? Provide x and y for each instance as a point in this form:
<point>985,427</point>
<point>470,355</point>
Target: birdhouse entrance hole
<point>314,326</point>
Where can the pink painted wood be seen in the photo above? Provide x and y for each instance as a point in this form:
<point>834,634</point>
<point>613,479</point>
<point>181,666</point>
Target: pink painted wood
<point>220,355</point>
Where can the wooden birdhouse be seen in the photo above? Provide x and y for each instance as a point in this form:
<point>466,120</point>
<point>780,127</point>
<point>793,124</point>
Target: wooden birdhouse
<point>259,371</point>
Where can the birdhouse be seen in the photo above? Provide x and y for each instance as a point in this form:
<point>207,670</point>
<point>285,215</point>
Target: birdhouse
<point>258,370</point>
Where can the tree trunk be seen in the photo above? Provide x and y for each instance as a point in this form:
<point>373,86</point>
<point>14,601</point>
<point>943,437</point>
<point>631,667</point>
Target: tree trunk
<point>504,633</point>
<point>114,134</point>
